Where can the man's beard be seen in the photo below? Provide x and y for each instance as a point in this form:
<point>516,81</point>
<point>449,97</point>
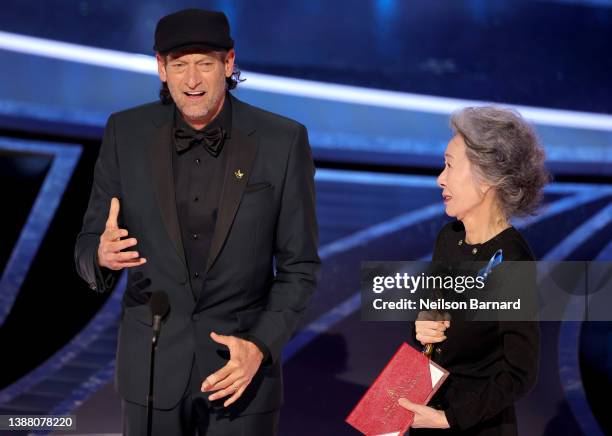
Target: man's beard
<point>198,112</point>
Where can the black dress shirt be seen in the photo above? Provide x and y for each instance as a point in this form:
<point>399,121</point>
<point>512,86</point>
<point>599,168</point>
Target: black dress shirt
<point>198,181</point>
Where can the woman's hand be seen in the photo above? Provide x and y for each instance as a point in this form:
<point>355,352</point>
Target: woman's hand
<point>425,416</point>
<point>431,332</point>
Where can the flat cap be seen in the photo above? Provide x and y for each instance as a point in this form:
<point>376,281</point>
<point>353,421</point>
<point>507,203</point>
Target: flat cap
<point>193,28</point>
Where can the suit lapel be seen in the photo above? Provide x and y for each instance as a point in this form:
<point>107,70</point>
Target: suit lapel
<point>242,149</point>
<point>163,176</point>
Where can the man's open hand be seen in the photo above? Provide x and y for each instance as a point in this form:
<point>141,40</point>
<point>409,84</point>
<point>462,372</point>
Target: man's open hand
<point>109,250</point>
<point>235,376</point>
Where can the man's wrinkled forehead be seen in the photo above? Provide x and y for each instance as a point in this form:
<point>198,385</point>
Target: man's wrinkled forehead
<point>205,52</point>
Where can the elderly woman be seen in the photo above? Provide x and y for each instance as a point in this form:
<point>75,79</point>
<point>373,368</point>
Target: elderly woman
<point>494,170</point>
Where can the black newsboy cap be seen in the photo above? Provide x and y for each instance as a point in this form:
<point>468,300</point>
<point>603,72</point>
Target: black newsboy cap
<point>193,28</point>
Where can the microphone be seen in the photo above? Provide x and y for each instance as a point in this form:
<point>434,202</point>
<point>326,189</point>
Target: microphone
<point>159,305</point>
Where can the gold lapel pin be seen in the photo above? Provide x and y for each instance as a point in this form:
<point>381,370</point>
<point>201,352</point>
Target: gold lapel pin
<point>239,174</point>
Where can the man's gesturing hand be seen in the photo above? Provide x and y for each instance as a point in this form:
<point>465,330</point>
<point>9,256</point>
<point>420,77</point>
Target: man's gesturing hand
<point>109,251</point>
<point>235,376</point>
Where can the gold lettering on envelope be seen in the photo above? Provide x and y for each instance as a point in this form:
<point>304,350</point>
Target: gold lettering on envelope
<point>394,395</point>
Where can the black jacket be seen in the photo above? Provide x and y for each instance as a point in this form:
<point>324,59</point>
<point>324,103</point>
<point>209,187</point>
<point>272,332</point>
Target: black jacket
<point>492,364</point>
<point>266,212</point>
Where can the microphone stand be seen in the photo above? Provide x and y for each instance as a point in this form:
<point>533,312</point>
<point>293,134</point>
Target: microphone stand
<point>156,327</point>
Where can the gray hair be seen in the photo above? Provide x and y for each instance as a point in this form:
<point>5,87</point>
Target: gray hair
<point>505,152</point>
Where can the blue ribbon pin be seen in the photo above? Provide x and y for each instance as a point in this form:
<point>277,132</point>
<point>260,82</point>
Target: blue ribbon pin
<point>497,258</point>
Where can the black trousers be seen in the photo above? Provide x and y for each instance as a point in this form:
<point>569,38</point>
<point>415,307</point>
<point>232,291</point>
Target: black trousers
<point>192,416</point>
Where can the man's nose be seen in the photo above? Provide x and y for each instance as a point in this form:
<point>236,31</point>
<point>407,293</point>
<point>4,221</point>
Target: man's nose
<point>193,77</point>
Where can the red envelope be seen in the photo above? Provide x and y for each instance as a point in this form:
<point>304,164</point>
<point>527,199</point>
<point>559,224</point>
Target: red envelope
<point>409,374</point>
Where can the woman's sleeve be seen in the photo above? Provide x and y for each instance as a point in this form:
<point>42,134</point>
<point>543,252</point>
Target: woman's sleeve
<point>520,342</point>
<point>515,380</point>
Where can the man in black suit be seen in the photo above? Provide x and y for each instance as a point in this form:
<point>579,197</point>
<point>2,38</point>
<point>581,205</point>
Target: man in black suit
<point>218,198</point>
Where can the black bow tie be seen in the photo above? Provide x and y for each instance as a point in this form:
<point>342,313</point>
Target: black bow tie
<point>211,139</point>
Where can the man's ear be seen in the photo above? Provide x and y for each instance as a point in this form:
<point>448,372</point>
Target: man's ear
<point>161,67</point>
<point>229,62</point>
